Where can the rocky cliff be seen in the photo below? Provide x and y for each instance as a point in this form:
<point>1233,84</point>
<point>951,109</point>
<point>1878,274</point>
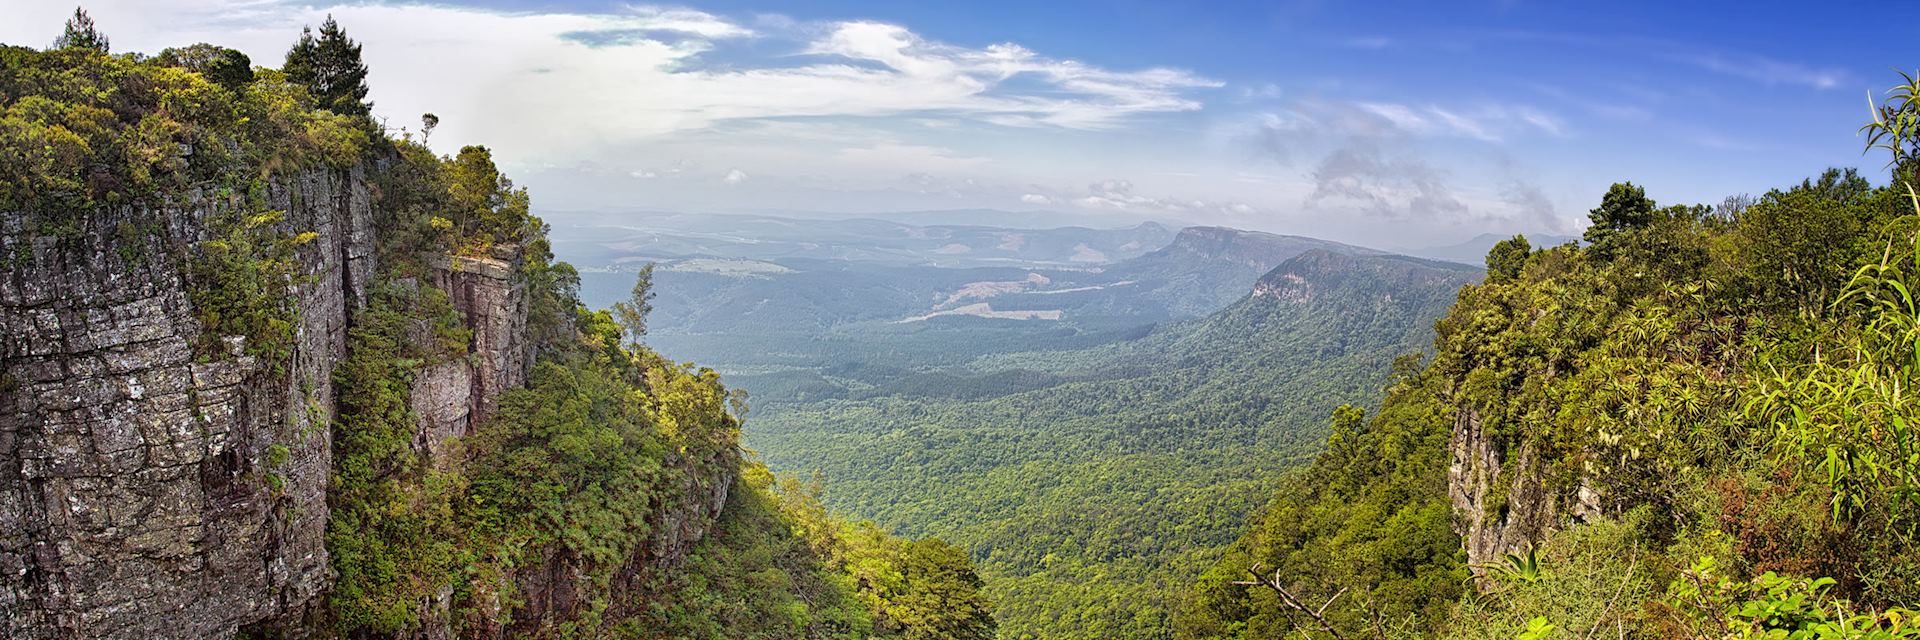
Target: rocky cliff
<point>151,489</point>
<point>1504,501</point>
<point>147,492</point>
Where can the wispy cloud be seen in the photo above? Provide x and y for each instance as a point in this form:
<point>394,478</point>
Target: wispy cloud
<point>931,76</point>
<point>1768,71</point>
<point>1365,157</point>
<point>1488,122</point>
<point>1121,195</point>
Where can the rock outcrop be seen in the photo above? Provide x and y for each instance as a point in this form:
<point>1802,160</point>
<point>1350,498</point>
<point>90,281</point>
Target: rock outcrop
<point>450,398</point>
<point>157,481</point>
<point>1506,504</point>
<point>146,492</point>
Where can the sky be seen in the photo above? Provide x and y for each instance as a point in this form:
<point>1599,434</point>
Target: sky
<point>1387,123</point>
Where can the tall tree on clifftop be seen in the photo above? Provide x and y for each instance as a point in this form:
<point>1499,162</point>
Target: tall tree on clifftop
<point>81,34</point>
<point>330,68</point>
<point>632,312</point>
<point>1624,207</point>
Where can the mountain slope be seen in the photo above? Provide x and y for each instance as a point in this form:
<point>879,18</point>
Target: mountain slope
<point>1091,494</point>
<point>1205,268</point>
<point>1652,435</point>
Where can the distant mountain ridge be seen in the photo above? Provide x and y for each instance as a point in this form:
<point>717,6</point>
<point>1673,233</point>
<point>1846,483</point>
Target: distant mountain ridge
<point>1206,268</point>
<point>607,241</point>
<point>1383,273</point>
<point>1474,250</point>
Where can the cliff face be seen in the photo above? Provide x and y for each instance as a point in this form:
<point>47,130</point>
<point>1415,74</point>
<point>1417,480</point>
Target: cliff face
<point>145,492</point>
<point>1506,505</point>
<point>450,398</point>
<point>151,490</point>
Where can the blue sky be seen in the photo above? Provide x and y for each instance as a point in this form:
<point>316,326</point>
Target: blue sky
<point>1395,124</point>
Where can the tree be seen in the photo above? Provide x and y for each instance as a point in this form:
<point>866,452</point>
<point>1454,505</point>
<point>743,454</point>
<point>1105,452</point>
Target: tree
<point>225,67</point>
<point>1800,245</point>
<point>1625,207</point>
<point>1507,258</point>
<point>940,598</point>
<point>330,68</point>
<point>633,311</point>
<point>486,208</point>
<point>81,33</point>
<point>427,123</point>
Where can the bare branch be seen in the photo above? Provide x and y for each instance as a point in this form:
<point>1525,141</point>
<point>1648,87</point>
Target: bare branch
<point>1294,602</point>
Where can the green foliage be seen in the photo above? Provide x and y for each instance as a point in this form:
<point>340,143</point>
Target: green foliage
<point>330,69</point>
<point>633,311</point>
<point>1799,246</point>
<point>769,570</point>
<point>1368,520</point>
<point>1707,604</point>
<point>482,206</point>
<point>1896,127</point>
<point>1539,629</point>
<point>241,278</point>
<point>225,67</point>
<point>1507,258</point>
<point>1588,581</point>
<point>1109,476</point>
<point>1624,207</point>
<point>777,566</point>
<point>392,535</point>
<point>79,130</point>
<point>81,33</point>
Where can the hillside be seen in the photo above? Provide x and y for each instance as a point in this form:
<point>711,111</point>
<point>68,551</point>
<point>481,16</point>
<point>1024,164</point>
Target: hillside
<point>267,371</point>
<point>1692,426</point>
<point>1205,268</point>
<point>789,328</point>
<point>1125,466</point>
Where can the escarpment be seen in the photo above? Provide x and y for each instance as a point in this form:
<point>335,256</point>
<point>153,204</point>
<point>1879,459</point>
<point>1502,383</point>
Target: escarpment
<point>161,480</point>
<point>150,486</point>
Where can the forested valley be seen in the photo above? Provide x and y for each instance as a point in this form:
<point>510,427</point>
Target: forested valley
<point>274,368</point>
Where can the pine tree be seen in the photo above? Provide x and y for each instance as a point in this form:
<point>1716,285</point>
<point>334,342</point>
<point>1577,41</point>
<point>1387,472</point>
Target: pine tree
<point>81,33</point>
<point>331,69</point>
<point>1625,207</point>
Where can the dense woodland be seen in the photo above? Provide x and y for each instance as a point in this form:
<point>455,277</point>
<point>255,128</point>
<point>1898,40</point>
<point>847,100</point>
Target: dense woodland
<point>1093,483</point>
<point>606,434</point>
<point>1732,382</point>
<point>1727,387</point>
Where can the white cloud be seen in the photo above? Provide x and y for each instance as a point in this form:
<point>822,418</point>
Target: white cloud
<point>545,87</point>
<point>894,156</point>
<point>1490,123</point>
<point>1769,71</point>
<point>1035,198</point>
<point>1119,195</point>
<point>735,176</point>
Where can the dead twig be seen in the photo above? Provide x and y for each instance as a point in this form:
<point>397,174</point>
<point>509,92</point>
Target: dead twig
<point>1294,602</point>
